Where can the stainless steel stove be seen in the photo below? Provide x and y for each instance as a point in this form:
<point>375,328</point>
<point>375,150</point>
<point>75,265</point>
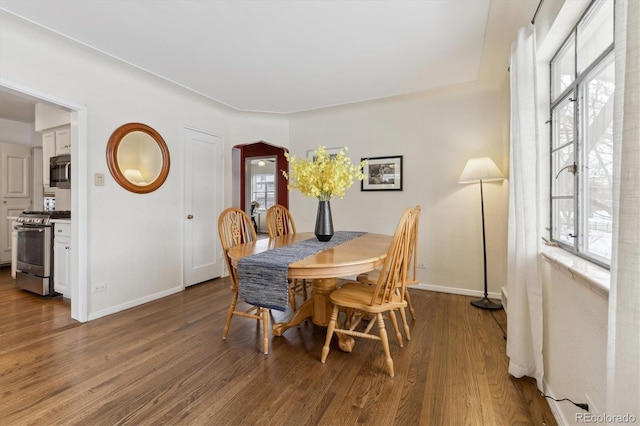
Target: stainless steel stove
<point>42,217</point>
<point>34,267</point>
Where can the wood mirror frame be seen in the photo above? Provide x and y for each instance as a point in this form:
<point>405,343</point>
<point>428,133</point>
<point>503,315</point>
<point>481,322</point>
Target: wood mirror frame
<point>114,167</point>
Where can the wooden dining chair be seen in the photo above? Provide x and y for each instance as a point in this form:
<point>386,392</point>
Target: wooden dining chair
<point>235,227</point>
<point>372,277</point>
<point>374,301</point>
<point>280,222</point>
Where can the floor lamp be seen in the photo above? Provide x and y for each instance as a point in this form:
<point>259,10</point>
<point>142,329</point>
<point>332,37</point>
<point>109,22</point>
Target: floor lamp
<point>478,170</point>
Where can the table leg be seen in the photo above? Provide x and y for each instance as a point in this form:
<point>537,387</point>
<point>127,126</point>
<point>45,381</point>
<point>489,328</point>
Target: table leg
<point>302,313</point>
<point>322,288</point>
<point>318,307</point>
<point>322,306</point>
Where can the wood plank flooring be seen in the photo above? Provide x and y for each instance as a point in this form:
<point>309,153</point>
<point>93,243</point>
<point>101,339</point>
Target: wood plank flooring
<point>165,363</point>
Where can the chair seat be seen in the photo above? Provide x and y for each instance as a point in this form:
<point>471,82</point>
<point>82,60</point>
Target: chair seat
<point>356,295</point>
<point>371,278</point>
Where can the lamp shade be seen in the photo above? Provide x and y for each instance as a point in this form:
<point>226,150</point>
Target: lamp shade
<point>480,169</point>
<point>134,176</point>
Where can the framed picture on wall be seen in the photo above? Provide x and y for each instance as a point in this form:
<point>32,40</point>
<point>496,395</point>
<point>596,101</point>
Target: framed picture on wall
<point>382,174</point>
<point>332,153</point>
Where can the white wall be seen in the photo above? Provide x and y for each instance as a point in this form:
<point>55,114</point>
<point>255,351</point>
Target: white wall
<point>436,132</point>
<point>574,342</point>
<point>134,241</point>
<point>19,133</point>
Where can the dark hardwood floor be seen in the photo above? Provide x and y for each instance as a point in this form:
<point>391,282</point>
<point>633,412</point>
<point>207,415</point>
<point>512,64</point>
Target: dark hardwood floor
<point>166,363</point>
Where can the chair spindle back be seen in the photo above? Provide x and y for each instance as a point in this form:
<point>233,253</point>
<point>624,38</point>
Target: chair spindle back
<point>279,221</point>
<point>392,280</point>
<point>234,227</point>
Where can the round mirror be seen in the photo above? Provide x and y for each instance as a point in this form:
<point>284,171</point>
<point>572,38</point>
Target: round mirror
<point>138,158</point>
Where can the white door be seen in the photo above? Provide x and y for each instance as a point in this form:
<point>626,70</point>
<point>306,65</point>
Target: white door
<point>204,190</point>
<point>15,194</point>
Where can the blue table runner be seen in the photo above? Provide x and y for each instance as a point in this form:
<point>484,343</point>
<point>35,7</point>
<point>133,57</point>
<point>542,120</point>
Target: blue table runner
<point>263,276</point>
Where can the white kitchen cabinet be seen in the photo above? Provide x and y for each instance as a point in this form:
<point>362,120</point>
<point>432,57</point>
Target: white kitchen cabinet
<point>48,151</point>
<point>54,142</point>
<point>62,258</point>
<point>63,140</point>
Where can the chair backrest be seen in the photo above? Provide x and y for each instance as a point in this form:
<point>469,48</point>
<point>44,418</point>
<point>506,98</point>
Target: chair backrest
<point>279,221</point>
<point>413,242</point>
<point>234,227</point>
<point>392,280</point>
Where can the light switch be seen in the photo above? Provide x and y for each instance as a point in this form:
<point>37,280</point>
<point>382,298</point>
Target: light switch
<point>99,179</point>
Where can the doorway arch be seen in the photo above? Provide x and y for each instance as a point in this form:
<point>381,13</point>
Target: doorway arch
<point>243,152</point>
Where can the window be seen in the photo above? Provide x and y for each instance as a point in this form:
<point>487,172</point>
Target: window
<point>582,95</point>
<point>263,189</point>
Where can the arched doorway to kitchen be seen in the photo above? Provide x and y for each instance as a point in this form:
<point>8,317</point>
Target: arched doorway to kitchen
<point>257,178</point>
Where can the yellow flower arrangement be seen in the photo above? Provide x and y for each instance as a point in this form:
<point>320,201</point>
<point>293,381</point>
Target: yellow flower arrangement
<point>324,175</point>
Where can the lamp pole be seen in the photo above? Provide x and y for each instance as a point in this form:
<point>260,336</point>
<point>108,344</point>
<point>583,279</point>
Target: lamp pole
<point>484,303</point>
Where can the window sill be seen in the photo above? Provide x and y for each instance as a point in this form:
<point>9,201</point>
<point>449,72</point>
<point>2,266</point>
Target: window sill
<point>594,277</point>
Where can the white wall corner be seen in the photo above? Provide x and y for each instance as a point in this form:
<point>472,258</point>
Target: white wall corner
<point>503,296</point>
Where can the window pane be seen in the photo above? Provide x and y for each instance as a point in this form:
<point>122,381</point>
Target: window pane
<point>563,182</point>
<point>563,220</point>
<point>563,68</point>
<point>263,190</point>
<point>598,159</point>
<point>563,123</point>
<point>595,33</point>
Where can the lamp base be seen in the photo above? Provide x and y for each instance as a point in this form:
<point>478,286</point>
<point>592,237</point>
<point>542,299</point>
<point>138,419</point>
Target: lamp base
<point>485,303</point>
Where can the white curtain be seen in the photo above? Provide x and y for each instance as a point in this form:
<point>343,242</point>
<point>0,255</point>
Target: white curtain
<point>524,286</point>
<point>623,348</point>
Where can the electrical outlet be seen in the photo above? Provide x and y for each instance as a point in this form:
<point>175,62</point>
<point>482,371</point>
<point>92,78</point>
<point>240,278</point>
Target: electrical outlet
<point>99,179</point>
<point>99,287</point>
<point>422,266</point>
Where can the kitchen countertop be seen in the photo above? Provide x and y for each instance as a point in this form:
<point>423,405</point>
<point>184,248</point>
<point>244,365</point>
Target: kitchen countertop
<point>60,220</point>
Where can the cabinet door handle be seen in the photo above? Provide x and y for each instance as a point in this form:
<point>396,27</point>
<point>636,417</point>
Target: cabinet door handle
<point>190,216</point>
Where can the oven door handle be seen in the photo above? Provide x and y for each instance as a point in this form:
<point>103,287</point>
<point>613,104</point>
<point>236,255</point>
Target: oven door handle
<point>27,229</point>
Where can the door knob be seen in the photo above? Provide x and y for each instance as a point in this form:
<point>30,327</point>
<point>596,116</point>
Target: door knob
<point>190,216</point>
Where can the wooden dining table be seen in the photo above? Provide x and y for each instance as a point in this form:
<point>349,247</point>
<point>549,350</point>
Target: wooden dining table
<point>358,255</point>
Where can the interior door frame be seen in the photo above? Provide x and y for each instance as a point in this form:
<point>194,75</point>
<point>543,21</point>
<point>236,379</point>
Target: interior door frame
<point>79,201</point>
<point>218,195</point>
<point>240,153</point>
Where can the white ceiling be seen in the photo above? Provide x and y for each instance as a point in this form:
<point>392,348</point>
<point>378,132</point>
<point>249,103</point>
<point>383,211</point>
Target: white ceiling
<point>290,56</point>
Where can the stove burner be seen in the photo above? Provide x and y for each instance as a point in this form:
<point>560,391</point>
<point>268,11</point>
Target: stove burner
<point>42,217</point>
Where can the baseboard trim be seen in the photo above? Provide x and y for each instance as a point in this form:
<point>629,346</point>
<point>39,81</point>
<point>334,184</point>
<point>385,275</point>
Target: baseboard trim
<point>505,298</point>
<point>454,290</point>
<point>133,303</point>
<point>555,408</point>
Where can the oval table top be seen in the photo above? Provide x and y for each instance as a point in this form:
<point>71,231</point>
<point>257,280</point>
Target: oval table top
<point>358,255</point>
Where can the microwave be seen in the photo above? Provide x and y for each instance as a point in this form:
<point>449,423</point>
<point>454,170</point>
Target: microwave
<point>60,171</point>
